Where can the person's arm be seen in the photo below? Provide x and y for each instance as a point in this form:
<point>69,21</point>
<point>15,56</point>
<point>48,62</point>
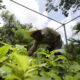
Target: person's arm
<point>33,48</point>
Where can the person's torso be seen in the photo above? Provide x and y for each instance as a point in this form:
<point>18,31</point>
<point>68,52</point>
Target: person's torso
<point>49,36</point>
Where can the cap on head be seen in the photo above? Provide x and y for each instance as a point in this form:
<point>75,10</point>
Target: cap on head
<point>31,31</point>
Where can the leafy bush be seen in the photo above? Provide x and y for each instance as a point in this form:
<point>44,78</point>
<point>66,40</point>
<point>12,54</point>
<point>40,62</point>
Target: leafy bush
<point>43,65</point>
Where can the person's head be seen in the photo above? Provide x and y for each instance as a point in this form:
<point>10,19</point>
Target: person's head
<point>34,33</point>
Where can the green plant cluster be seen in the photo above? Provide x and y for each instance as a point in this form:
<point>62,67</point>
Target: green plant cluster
<point>43,65</point>
<point>15,64</point>
<point>13,32</point>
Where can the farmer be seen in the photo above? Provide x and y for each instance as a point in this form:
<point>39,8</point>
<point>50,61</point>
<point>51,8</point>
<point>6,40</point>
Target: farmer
<point>45,36</point>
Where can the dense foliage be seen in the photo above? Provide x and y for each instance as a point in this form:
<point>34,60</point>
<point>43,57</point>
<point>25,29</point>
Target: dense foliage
<point>43,65</point>
<point>13,32</point>
<point>15,64</point>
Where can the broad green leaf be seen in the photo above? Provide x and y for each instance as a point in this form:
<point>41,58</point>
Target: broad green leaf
<point>61,57</point>
<point>4,50</point>
<point>36,66</point>
<point>42,52</point>
<point>54,75</point>
<point>68,77</point>
<point>21,61</point>
<point>3,59</point>
<point>74,68</point>
<point>44,76</point>
<point>32,77</point>
<point>49,76</point>
<point>5,71</point>
<point>2,42</point>
<point>13,77</point>
<point>16,70</point>
<point>33,69</point>
<point>21,50</point>
<point>77,76</point>
<point>47,55</point>
<point>58,50</point>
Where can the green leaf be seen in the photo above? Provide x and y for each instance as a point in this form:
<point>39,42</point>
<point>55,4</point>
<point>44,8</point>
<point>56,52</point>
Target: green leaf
<point>5,71</point>
<point>45,76</point>
<point>44,53</point>
<point>21,49</point>
<point>74,68</point>
<point>13,77</point>
<point>21,61</point>
<point>61,57</point>
<point>4,50</point>
<point>33,69</point>
<point>2,42</point>
<point>55,76</point>
<point>68,77</point>
<point>77,76</point>
<point>58,50</point>
<point>49,76</point>
<point>3,59</point>
<point>16,70</point>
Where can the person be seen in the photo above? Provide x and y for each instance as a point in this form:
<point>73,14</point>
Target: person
<point>45,36</point>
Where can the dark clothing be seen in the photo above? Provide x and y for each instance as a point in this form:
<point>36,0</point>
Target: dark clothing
<point>49,37</point>
<point>53,47</point>
<point>60,44</point>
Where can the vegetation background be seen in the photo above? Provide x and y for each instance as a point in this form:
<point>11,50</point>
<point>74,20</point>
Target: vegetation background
<point>15,64</point>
